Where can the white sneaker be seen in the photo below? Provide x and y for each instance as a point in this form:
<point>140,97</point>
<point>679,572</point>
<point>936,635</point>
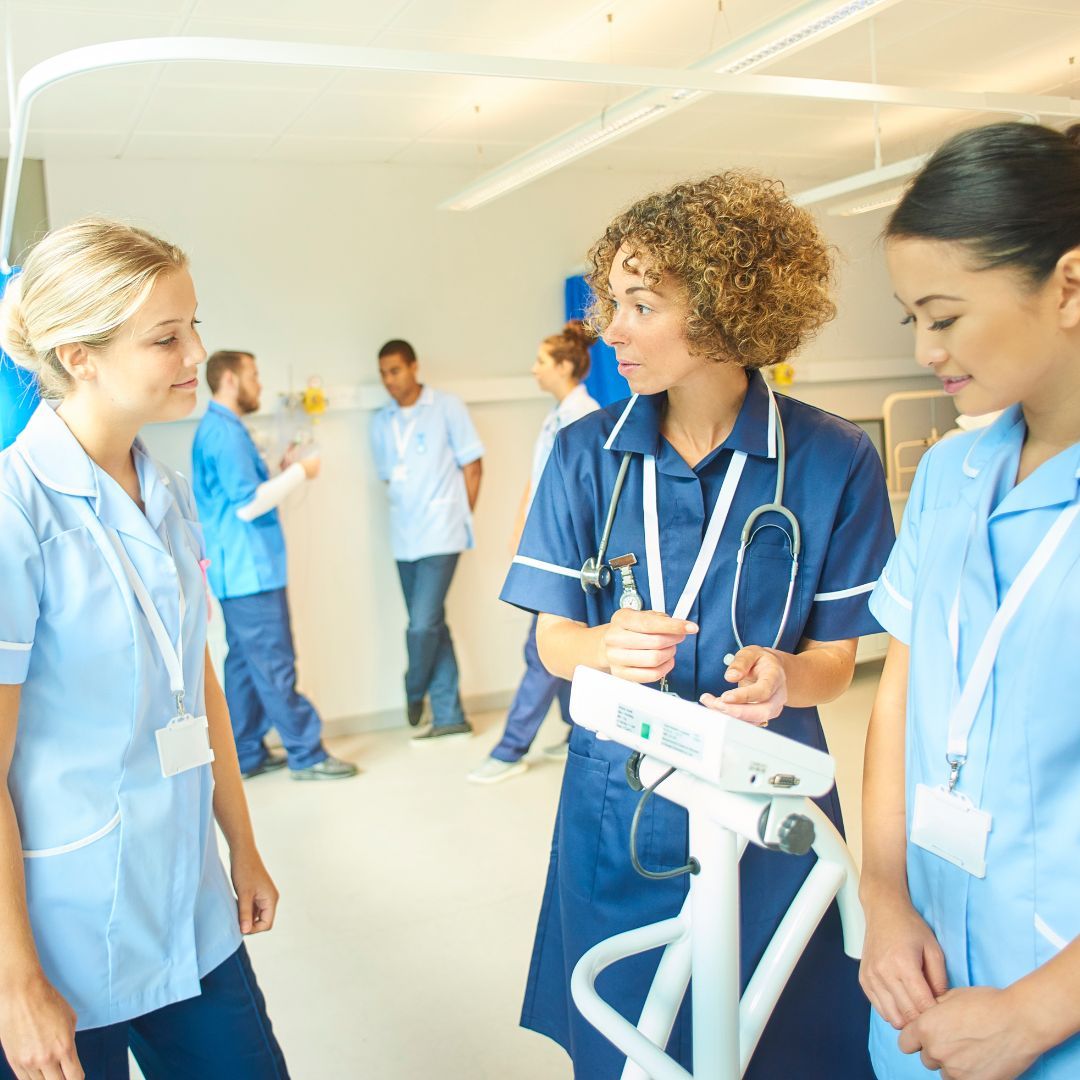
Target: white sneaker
<point>493,771</point>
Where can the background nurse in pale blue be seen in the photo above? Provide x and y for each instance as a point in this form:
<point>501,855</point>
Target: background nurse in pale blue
<point>429,508</point>
<point>979,975</point>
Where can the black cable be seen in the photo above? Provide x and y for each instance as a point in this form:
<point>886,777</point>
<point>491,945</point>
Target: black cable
<point>692,867</point>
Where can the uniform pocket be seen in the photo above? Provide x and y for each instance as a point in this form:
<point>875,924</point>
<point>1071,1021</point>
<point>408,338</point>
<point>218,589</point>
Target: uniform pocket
<point>580,820</point>
<point>74,845</point>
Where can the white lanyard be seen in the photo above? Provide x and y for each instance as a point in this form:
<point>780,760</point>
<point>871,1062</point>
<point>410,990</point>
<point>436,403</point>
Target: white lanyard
<point>962,716</point>
<point>172,655</point>
<point>402,438</point>
<point>708,544</point>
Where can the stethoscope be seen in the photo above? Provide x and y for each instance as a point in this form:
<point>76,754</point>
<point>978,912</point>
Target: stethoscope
<point>596,573</point>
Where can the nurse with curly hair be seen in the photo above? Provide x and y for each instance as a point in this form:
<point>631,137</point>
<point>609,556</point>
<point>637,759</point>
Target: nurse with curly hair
<point>698,289</point>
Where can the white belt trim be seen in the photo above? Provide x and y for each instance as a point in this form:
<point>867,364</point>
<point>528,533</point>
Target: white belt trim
<point>551,568</point>
<point>63,849</point>
<point>16,646</point>
<point>904,603</point>
<point>843,594</point>
<point>1055,939</point>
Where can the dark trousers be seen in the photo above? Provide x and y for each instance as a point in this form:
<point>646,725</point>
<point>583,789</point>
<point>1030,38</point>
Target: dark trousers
<point>260,682</point>
<point>433,669</point>
<point>223,1034</point>
<point>535,693</point>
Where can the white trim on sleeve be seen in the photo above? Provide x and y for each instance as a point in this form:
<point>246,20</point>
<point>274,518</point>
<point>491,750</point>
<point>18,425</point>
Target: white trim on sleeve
<point>473,448</point>
<point>16,646</point>
<point>891,590</point>
<point>843,594</point>
<point>551,568</point>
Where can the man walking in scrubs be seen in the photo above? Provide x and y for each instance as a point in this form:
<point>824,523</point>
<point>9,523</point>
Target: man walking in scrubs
<point>237,503</point>
<point>428,453</point>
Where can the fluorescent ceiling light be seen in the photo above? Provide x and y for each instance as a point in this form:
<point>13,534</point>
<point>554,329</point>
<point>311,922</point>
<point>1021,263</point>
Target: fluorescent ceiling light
<point>526,171</point>
<point>889,197</point>
<point>809,23</point>
<point>899,170</point>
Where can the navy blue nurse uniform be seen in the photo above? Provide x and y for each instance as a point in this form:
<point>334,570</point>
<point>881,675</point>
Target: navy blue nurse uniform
<point>836,488</point>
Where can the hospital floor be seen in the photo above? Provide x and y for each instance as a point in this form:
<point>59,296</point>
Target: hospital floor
<point>409,899</point>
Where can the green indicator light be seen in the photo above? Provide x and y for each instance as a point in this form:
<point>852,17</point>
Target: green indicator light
<point>645,729</point>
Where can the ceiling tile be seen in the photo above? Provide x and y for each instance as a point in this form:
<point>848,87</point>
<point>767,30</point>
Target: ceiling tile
<point>198,110</point>
<point>99,100</point>
<point>151,145</point>
<point>433,152</point>
<point>39,32</point>
<point>302,148</point>
<point>325,13</point>
<point>75,144</point>
<point>369,116</point>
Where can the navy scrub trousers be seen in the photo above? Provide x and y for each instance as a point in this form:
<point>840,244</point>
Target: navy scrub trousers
<point>260,682</point>
<point>223,1034</point>
<point>535,693</point>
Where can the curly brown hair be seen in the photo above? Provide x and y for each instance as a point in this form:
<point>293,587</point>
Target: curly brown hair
<point>755,270</point>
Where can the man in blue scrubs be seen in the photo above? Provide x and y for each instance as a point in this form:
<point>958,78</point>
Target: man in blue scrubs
<point>428,453</point>
<point>245,545</point>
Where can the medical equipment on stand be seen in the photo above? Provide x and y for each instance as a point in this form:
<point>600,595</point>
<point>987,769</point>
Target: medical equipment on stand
<point>740,784</point>
<point>596,573</point>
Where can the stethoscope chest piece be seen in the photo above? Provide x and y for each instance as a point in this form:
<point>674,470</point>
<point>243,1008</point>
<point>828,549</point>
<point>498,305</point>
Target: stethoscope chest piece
<point>594,575</point>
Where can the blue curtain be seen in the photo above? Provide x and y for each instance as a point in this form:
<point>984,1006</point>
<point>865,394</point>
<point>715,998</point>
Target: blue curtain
<point>18,390</point>
<point>604,382</point>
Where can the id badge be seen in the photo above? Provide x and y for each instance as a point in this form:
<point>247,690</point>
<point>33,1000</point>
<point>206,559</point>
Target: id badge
<point>184,743</point>
<point>400,474</point>
<point>949,825</point>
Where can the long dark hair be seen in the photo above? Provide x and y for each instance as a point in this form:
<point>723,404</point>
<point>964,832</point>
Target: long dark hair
<point>1010,193</point>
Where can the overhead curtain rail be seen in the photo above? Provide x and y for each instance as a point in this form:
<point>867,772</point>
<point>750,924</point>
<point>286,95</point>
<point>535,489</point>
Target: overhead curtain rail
<point>235,50</point>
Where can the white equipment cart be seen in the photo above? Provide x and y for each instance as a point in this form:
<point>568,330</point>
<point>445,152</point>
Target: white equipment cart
<point>740,784</point>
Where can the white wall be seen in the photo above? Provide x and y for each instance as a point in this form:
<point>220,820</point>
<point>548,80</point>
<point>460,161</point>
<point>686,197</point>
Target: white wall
<point>313,266</point>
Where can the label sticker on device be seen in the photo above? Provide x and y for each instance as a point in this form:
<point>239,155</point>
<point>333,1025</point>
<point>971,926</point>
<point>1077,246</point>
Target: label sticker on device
<point>688,743</point>
<point>633,722</point>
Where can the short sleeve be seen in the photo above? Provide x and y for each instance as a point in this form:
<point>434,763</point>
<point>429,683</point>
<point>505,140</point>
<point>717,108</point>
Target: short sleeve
<point>545,575</point>
<point>891,601</point>
<point>464,440</point>
<point>377,434</point>
<point>22,572</point>
<point>861,537</point>
<point>235,461</point>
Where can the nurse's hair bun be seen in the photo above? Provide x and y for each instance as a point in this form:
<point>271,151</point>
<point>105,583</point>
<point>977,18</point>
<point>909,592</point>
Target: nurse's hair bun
<point>14,333</point>
<point>571,346</point>
<point>79,283</point>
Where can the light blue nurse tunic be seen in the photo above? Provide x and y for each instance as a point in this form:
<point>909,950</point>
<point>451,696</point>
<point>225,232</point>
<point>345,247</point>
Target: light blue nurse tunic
<point>429,506</point>
<point>1023,763</point>
<point>128,901</point>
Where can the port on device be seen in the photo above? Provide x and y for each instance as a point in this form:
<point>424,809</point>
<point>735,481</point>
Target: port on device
<point>783,780</point>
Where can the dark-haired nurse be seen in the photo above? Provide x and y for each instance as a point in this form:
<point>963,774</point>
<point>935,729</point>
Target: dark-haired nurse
<point>700,287</point>
<point>971,875</point>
